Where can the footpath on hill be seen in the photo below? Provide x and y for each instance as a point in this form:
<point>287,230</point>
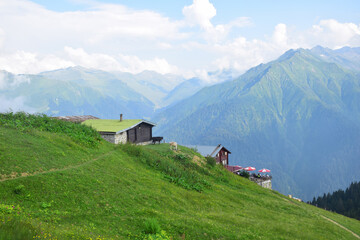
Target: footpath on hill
<point>23,175</point>
<point>332,221</point>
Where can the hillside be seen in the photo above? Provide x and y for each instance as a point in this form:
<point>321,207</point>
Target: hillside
<point>298,116</point>
<point>55,186</point>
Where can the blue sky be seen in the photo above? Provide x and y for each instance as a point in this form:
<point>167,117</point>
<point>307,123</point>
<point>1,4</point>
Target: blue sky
<point>188,37</point>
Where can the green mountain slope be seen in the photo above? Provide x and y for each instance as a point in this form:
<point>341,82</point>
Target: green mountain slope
<point>298,116</point>
<point>346,57</point>
<point>77,91</point>
<point>54,187</point>
<point>152,85</point>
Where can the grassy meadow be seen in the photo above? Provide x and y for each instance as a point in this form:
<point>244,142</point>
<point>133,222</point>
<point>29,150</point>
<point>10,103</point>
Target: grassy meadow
<point>56,185</point>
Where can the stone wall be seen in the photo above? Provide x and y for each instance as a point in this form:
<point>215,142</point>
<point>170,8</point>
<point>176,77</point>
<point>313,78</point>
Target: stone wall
<point>120,138</point>
<point>109,137</point>
<point>115,138</point>
<point>264,182</point>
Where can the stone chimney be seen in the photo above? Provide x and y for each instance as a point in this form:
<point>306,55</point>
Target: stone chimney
<point>121,117</point>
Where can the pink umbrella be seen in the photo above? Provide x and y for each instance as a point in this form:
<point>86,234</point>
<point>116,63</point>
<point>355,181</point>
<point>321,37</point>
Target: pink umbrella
<point>250,168</point>
<point>264,170</point>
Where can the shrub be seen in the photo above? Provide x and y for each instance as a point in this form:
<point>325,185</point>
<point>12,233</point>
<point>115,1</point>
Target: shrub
<point>19,189</point>
<point>151,226</point>
<point>210,161</point>
<point>244,174</point>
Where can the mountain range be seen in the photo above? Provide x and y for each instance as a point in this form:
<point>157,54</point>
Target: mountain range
<point>82,91</point>
<point>298,116</point>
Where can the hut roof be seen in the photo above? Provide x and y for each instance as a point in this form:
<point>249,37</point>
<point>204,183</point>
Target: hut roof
<point>208,150</point>
<point>114,125</point>
<point>76,118</point>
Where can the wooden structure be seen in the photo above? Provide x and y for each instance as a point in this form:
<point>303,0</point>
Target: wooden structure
<point>219,152</point>
<point>136,131</point>
<point>139,133</point>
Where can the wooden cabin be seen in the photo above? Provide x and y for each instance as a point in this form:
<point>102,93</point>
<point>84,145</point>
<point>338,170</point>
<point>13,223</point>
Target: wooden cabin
<point>136,131</point>
<point>219,152</point>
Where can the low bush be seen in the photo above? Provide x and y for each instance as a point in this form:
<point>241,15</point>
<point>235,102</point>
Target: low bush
<point>210,161</point>
<point>151,226</point>
<point>244,174</point>
<point>19,189</point>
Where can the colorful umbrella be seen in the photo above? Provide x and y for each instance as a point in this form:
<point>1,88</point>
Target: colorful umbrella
<point>264,170</point>
<point>250,168</point>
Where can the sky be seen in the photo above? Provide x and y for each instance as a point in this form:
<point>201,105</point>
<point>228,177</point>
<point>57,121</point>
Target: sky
<point>185,37</point>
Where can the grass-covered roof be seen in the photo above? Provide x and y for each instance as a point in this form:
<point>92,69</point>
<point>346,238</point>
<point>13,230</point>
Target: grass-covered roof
<point>112,125</point>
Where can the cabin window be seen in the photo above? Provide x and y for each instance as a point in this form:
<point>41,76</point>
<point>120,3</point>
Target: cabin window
<point>225,153</point>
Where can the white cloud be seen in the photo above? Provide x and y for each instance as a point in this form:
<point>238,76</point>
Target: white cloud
<point>79,57</point>
<point>2,37</point>
<point>200,13</point>
<point>8,80</point>
<point>333,34</point>
<point>15,105</point>
<point>280,35</point>
<point>125,63</point>
<point>30,27</point>
<point>135,65</point>
<point>27,62</point>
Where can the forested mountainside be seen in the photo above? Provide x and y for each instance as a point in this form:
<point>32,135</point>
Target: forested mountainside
<point>344,202</point>
<point>298,116</point>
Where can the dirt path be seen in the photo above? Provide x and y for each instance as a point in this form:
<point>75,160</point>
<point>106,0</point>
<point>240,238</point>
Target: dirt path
<point>332,221</point>
<point>357,236</point>
<point>23,175</point>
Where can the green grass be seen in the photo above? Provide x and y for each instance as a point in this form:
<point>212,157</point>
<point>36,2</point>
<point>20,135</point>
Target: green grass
<point>111,125</point>
<point>112,192</point>
<point>24,122</point>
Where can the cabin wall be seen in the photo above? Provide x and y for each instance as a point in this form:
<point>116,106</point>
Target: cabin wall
<point>222,157</point>
<point>142,133</point>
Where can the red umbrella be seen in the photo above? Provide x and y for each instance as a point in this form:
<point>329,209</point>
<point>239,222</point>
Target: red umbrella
<point>250,168</point>
<point>264,170</point>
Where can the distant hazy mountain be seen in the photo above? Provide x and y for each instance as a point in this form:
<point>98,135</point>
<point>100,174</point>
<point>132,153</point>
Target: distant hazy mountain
<point>183,90</point>
<point>152,85</point>
<point>298,116</point>
<point>76,91</point>
<point>346,57</point>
